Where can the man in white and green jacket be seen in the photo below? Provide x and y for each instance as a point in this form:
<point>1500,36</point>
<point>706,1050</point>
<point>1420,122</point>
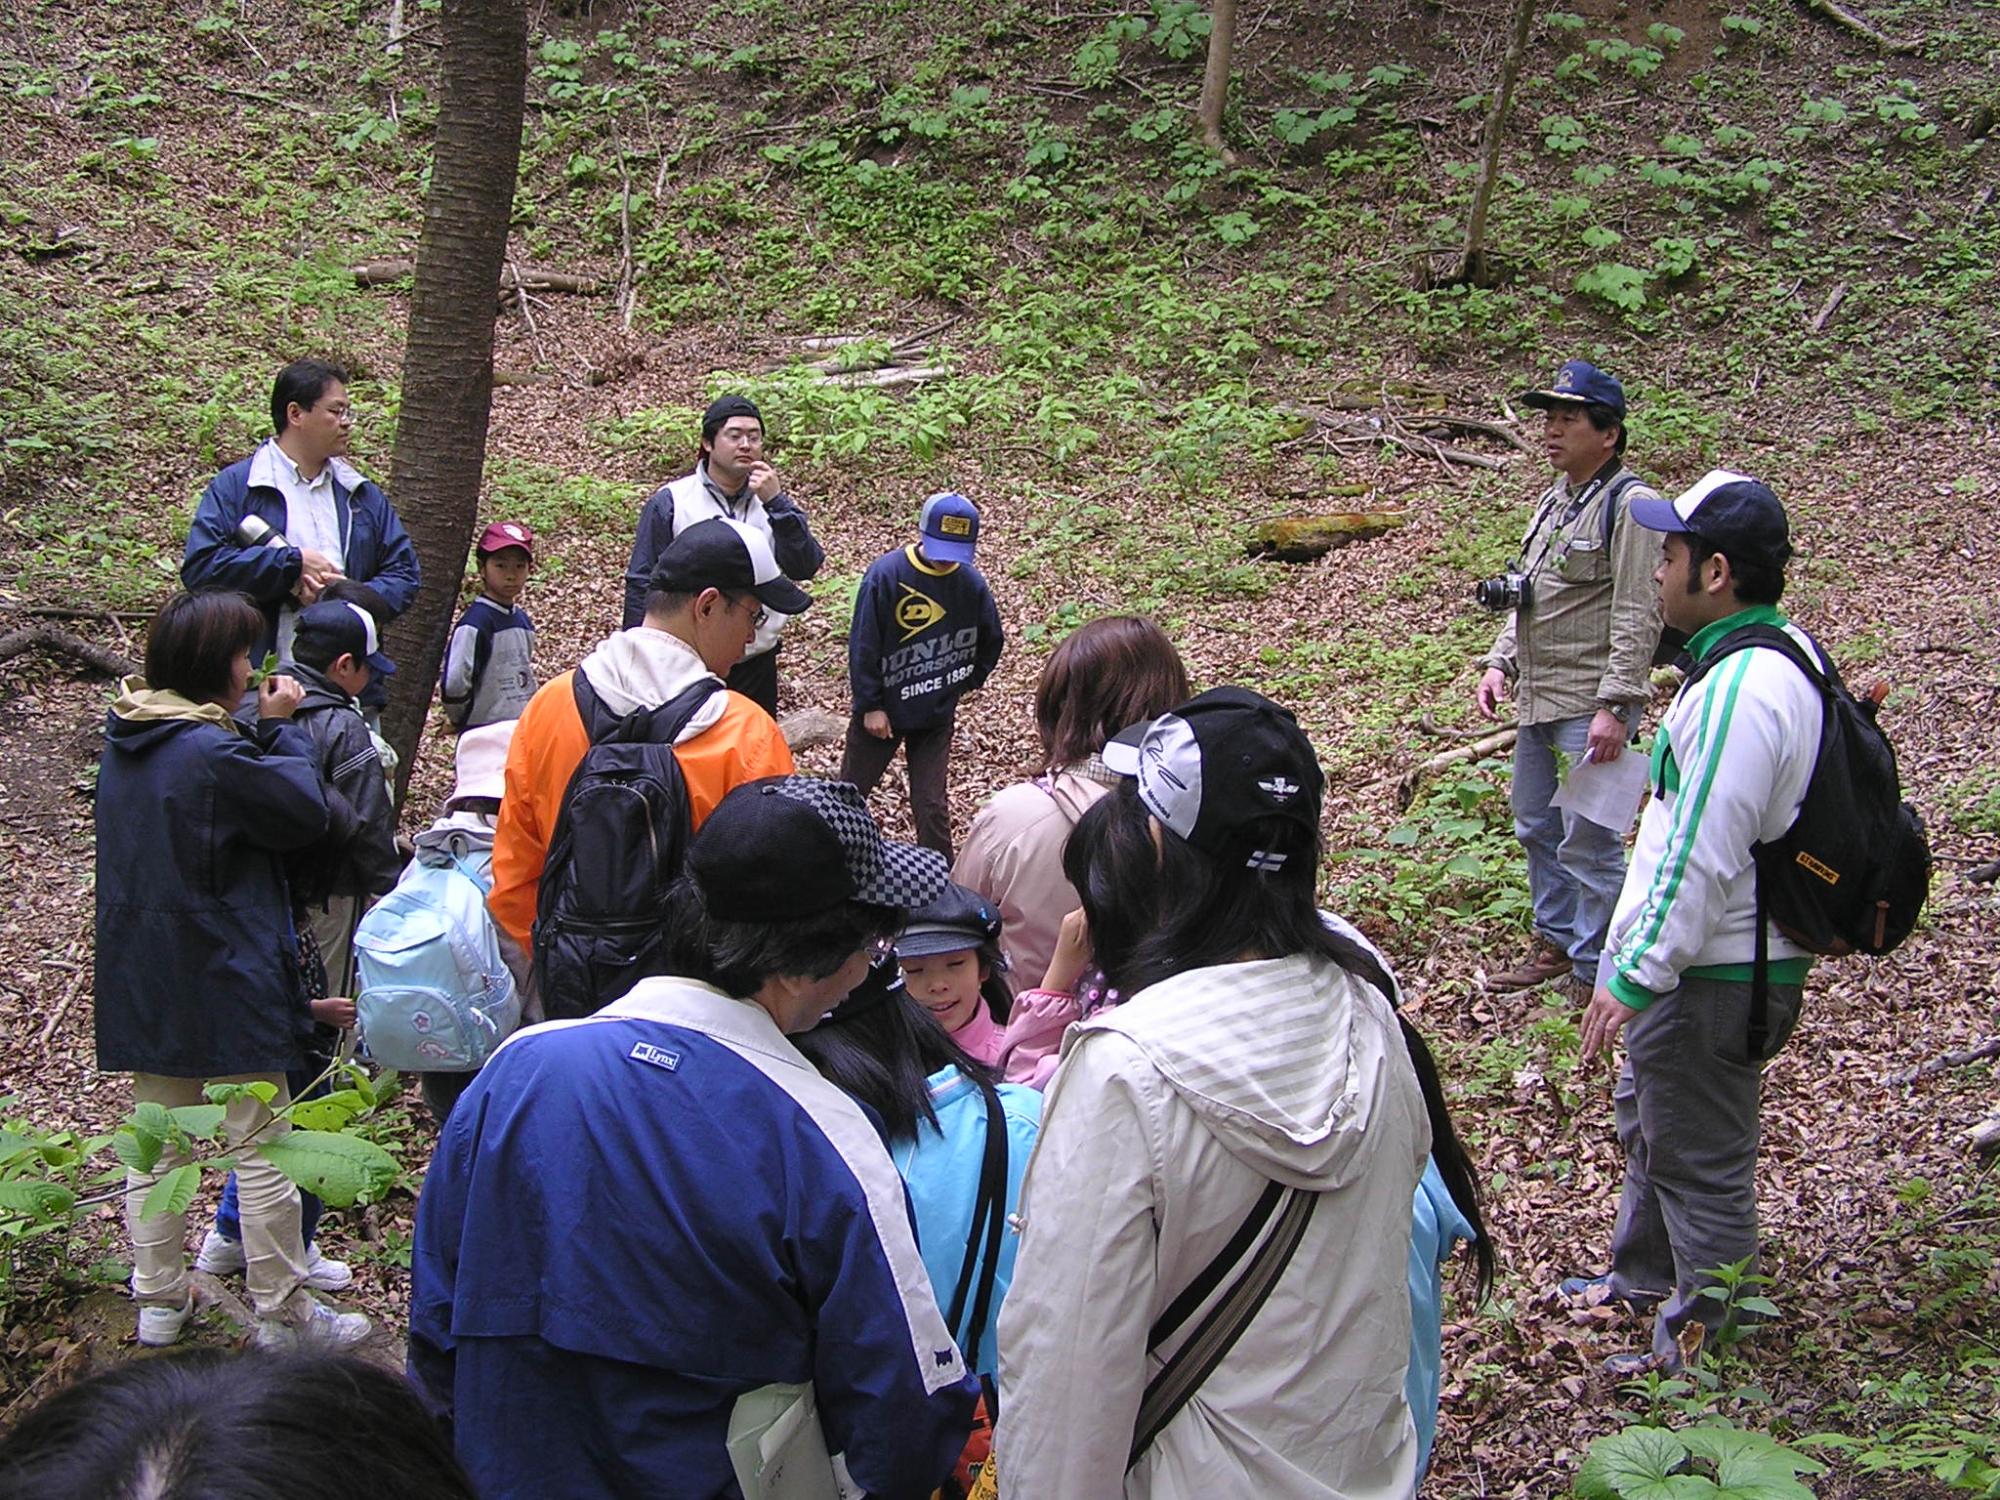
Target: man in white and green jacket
<point>1731,762</point>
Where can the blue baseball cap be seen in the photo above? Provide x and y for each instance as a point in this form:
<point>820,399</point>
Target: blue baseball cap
<point>1735,514</point>
<point>1579,383</point>
<point>949,524</point>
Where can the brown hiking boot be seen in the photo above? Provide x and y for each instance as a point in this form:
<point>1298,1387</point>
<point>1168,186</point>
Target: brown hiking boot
<point>1545,963</point>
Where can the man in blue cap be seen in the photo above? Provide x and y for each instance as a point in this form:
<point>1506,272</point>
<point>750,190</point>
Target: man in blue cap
<point>1582,622</point>
<point>1731,763</point>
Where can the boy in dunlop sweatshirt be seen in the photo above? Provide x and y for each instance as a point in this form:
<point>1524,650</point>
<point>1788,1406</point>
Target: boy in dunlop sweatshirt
<point>925,633</point>
<point>1731,763</point>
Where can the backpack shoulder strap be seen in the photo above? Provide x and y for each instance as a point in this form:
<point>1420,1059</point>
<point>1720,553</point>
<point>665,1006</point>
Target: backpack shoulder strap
<point>1615,498</point>
<point>668,720</point>
<point>1745,636</point>
<point>660,726</point>
<point>989,1217</point>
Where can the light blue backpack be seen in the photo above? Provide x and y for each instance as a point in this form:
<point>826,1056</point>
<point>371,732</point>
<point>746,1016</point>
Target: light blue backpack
<point>436,997</point>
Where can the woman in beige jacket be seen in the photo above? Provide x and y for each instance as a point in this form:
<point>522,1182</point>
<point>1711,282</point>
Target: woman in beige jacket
<point>1105,676</point>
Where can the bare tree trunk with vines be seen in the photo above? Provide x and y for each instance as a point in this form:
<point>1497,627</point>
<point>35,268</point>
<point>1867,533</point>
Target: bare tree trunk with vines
<point>448,363</point>
<point>1472,266</point>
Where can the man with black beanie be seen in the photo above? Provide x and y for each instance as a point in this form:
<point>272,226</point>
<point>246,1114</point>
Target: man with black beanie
<point>730,480</point>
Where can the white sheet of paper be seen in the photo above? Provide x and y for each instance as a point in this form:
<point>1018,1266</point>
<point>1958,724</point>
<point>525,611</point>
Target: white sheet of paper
<point>1606,792</point>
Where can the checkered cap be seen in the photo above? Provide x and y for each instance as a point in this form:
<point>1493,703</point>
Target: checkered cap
<point>790,847</point>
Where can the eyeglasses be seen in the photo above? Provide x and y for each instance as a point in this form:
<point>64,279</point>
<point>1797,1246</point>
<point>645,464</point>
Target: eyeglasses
<point>882,948</point>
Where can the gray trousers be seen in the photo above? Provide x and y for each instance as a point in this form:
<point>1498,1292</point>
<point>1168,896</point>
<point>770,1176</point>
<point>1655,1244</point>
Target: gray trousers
<point>1686,1106</point>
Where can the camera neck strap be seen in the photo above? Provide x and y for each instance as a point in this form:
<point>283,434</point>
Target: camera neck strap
<point>1545,527</point>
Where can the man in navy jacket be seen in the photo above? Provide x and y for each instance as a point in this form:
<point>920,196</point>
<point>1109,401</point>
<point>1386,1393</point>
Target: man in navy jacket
<point>313,516</point>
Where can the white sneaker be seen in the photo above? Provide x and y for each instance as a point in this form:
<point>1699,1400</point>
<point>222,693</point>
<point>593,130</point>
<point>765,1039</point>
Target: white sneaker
<point>309,1324</point>
<point>161,1326</point>
<point>222,1256</point>
<point>326,1275</point>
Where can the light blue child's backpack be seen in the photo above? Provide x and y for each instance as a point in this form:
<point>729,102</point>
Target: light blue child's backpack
<point>436,996</point>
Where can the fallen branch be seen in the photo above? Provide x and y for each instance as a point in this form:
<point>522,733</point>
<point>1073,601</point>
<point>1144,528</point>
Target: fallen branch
<point>1472,750</point>
<point>1834,298</point>
<point>75,612</point>
<point>74,988</point>
<point>1945,1061</point>
<point>1386,427</point>
<point>111,663</point>
<point>527,278</point>
<point>1855,24</point>
<point>1486,428</point>
<point>1431,726</point>
<point>911,375</point>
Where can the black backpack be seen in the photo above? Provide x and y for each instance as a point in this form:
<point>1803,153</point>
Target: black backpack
<point>1852,872</point>
<point>620,839</point>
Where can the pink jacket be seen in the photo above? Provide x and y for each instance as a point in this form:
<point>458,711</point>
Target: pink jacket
<point>1031,1046</point>
<point>1013,857</point>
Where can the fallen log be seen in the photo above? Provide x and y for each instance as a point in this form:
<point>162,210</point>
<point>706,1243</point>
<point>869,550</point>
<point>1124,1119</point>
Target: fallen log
<point>1300,539</point>
<point>100,658</point>
<point>1472,750</point>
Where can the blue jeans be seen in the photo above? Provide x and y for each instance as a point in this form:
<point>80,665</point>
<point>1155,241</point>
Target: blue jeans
<point>1575,866</point>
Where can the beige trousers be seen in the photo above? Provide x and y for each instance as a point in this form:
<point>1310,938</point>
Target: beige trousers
<point>269,1202</point>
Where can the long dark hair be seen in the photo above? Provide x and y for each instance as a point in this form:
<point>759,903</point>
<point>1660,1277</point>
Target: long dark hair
<point>881,1047</point>
<point>1165,910</point>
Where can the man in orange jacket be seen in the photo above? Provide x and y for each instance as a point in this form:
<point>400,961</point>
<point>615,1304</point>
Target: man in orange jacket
<point>711,588</point>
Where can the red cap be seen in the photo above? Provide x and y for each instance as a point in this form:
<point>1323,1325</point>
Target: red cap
<point>503,534</point>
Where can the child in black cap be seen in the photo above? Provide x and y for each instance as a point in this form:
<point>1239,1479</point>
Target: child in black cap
<point>951,960</point>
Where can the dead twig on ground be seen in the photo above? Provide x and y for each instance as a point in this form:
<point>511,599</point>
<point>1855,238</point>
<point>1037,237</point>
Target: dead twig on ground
<point>1833,300</point>
<point>1859,27</point>
<point>1945,1061</point>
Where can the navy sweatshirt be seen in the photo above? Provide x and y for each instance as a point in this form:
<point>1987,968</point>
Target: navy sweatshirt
<point>924,634</point>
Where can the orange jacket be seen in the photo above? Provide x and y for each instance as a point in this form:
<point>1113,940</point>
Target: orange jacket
<point>549,743</point>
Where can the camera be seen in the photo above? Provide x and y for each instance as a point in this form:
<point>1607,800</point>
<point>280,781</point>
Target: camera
<point>255,531</point>
<point>1510,590</point>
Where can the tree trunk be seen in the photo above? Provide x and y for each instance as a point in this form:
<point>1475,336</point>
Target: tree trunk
<point>1215,76</point>
<point>448,359</point>
<point>1472,267</point>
